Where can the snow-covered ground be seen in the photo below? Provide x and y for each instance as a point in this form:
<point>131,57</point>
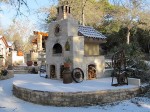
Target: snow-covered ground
<point>35,82</point>
<point>9,103</point>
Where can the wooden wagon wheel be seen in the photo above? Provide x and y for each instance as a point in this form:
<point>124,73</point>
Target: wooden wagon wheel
<point>77,75</point>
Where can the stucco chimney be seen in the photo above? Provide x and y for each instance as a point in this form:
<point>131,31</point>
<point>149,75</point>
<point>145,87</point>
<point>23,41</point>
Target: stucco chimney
<point>63,12</point>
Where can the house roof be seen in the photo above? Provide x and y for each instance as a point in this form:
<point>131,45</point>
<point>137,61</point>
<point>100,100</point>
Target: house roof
<point>4,40</point>
<point>44,36</point>
<point>89,31</point>
<point>10,43</point>
<point>42,33</point>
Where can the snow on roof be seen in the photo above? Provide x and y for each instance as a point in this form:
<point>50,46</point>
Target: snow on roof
<point>10,43</point>
<point>89,31</point>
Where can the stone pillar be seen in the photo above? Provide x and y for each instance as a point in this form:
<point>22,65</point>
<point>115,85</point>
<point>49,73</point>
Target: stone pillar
<point>39,42</point>
<point>57,70</point>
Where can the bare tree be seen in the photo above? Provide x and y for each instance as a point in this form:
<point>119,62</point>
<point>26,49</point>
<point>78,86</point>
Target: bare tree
<point>87,11</point>
<point>20,32</point>
<point>17,4</point>
<point>129,14</point>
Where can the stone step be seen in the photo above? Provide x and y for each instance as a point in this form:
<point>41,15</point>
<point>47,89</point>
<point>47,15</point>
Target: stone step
<point>20,71</point>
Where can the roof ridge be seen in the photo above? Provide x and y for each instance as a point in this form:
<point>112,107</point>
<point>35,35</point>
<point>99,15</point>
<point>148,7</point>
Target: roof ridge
<point>89,31</point>
<point>86,26</point>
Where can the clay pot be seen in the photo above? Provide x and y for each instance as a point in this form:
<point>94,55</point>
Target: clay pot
<point>29,63</point>
<point>19,53</point>
<point>66,65</point>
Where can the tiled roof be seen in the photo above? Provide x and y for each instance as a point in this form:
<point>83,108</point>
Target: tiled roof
<point>88,31</point>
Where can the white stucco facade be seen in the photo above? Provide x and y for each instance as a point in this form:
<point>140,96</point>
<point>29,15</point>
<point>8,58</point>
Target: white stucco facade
<point>3,51</point>
<point>16,60</point>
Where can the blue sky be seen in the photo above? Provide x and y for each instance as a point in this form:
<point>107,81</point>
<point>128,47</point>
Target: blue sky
<point>8,13</point>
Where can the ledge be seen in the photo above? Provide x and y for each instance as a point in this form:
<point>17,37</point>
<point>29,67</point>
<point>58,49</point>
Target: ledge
<point>74,98</point>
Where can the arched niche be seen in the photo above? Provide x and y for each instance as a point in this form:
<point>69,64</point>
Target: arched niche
<point>67,46</point>
<point>61,71</point>
<point>57,49</point>
<point>52,71</point>
<point>91,71</point>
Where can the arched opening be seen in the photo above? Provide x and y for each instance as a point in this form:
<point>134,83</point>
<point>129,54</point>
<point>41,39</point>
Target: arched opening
<point>61,71</point>
<point>57,49</point>
<point>66,8</point>
<point>52,71</point>
<point>91,71</point>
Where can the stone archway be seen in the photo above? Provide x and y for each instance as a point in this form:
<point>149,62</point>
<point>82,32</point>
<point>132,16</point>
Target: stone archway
<point>52,71</point>
<point>91,71</point>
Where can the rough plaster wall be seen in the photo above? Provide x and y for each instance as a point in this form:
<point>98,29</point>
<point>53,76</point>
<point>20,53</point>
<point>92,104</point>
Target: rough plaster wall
<point>34,56</point>
<point>99,61</point>
<point>69,33</point>
<point>39,42</point>
<point>17,59</point>
<point>91,49</point>
<point>67,30</point>
<point>78,52</point>
<point>3,62</point>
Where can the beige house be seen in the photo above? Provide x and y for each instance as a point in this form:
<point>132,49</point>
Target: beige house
<point>8,55</point>
<point>69,40</point>
<point>38,47</point>
<point>4,51</point>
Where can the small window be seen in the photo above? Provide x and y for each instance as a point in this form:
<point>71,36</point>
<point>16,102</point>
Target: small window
<point>69,9</point>
<point>66,8</point>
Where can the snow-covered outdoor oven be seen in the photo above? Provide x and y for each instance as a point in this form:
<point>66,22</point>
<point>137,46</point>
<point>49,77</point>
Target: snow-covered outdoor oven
<point>79,44</point>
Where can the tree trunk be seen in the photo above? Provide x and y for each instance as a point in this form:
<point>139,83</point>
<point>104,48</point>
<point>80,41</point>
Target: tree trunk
<point>83,5</point>
<point>128,36</point>
<point>148,46</point>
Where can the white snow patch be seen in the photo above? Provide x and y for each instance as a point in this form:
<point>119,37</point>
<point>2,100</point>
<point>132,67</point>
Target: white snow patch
<point>35,82</point>
<point>9,103</point>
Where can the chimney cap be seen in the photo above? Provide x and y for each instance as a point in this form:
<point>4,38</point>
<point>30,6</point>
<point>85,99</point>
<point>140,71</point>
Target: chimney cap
<point>63,3</point>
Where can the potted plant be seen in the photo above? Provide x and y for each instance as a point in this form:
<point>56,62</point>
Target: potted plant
<point>67,62</point>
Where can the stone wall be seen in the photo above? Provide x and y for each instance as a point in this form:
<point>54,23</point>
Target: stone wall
<point>69,33</point>
<point>74,98</point>
<point>24,69</point>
